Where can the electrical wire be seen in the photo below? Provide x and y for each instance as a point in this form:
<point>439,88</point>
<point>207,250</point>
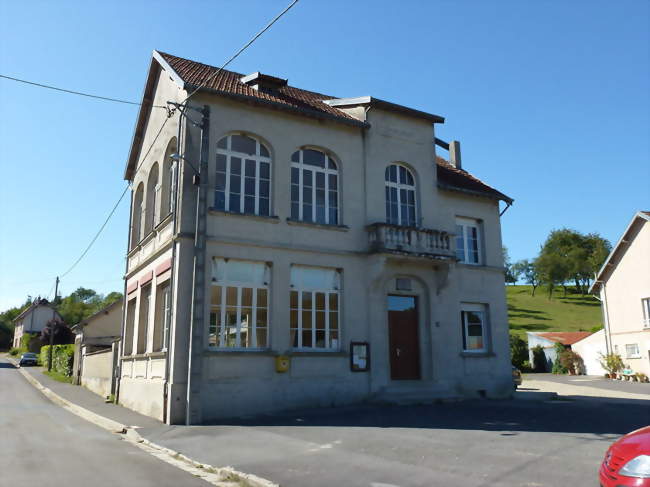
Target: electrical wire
<point>236,55</point>
<point>105,98</point>
<point>170,114</point>
<point>126,188</point>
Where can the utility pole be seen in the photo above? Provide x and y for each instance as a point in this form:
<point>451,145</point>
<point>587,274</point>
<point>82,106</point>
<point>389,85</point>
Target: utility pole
<point>49,352</point>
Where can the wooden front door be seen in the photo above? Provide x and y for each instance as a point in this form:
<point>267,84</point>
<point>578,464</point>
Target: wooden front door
<point>404,342</point>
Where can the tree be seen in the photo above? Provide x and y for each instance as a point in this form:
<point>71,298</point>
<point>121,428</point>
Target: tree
<point>511,273</point>
<point>518,351</point>
<point>62,334</point>
<point>553,270</point>
<point>528,271</point>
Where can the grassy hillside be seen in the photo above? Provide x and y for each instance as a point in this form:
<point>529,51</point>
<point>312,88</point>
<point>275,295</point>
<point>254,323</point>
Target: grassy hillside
<point>528,313</point>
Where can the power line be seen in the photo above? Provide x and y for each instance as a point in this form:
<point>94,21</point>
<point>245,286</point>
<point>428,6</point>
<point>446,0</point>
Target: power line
<point>169,115</point>
<point>105,98</point>
<point>236,55</point>
<point>83,254</point>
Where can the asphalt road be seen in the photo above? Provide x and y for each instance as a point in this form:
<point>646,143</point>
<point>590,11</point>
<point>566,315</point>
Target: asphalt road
<point>43,444</point>
<point>484,443</point>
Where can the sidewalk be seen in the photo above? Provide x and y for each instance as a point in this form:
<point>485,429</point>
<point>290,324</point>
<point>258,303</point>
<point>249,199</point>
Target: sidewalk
<point>586,386</point>
<point>89,400</point>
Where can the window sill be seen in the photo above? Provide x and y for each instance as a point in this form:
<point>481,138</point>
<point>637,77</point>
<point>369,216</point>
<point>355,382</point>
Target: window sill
<point>317,353</point>
<point>163,221</point>
<point>259,352</point>
<point>477,354</point>
<point>325,226</point>
<point>140,356</point>
<point>268,219</point>
<point>469,264</point>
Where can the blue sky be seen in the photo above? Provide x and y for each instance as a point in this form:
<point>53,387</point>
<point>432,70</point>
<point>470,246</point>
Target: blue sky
<point>550,100</point>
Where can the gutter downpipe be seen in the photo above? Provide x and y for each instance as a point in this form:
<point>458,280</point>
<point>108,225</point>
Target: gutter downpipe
<point>508,205</point>
<point>118,370</point>
<point>172,289</point>
<point>608,333</point>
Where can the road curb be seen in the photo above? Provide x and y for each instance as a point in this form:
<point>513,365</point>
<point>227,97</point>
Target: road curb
<point>133,435</point>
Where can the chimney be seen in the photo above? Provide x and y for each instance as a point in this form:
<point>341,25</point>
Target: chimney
<point>263,82</point>
<point>454,154</point>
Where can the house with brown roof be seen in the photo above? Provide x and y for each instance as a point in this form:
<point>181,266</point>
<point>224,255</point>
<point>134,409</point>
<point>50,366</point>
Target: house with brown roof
<point>549,340</point>
<point>291,249</point>
<point>623,287</point>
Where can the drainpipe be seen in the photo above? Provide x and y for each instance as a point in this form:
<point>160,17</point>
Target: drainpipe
<point>608,334</point>
<point>172,290</point>
<point>118,370</point>
<point>193,413</point>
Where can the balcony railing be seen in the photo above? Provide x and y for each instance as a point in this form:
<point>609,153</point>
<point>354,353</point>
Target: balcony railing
<point>425,242</point>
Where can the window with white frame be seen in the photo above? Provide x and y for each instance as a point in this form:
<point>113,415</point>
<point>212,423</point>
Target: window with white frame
<point>161,323</point>
<point>400,196</point>
<point>131,309</point>
<point>645,303</point>
<point>314,308</point>
<point>474,327</point>
<point>632,350</point>
<point>314,187</point>
<point>239,304</point>
<point>468,241</point>
<point>243,176</point>
<point>143,319</point>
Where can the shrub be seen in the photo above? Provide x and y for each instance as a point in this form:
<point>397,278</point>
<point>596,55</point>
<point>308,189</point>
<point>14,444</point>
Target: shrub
<point>558,366</point>
<point>572,362</point>
<point>518,351</point>
<point>526,367</point>
<point>14,351</point>
<point>612,363</point>
<point>62,358</point>
<point>539,359</point>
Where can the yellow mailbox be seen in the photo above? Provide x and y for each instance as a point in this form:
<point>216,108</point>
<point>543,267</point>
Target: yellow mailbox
<point>282,363</point>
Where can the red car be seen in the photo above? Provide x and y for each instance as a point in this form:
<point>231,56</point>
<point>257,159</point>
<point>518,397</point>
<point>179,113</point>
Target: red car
<point>627,461</point>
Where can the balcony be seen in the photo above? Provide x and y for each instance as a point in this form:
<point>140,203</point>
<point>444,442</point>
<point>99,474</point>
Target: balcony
<point>419,242</point>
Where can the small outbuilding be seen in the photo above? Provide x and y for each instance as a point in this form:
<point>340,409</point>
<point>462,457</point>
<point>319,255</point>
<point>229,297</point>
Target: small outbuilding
<point>548,340</point>
<point>96,349</point>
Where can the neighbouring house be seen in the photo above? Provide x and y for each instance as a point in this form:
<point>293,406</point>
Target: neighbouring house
<point>623,285</point>
<point>591,349</point>
<point>291,249</point>
<point>97,348</point>
<point>548,341</point>
<point>33,320</point>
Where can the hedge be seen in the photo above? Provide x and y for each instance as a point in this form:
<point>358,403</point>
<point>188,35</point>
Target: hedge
<point>62,358</point>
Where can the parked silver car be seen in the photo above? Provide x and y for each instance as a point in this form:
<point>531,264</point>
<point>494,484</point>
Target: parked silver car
<point>28,359</point>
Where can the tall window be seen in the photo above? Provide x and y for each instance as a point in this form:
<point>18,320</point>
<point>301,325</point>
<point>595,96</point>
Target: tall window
<point>161,323</point>
<point>315,308</point>
<point>239,304</point>
<point>143,319</point>
<point>137,228</point>
<point>243,176</point>
<point>468,241</point>
<point>314,187</point>
<point>645,303</point>
<point>400,196</point>
<point>153,198</point>
<point>128,329</point>
<point>168,180</point>
<point>473,324</point>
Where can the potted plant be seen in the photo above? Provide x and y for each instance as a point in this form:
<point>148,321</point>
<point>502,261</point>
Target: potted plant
<point>612,363</point>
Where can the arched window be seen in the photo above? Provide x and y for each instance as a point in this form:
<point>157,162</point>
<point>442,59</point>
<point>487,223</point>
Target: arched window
<point>243,176</point>
<point>136,220</point>
<point>153,198</point>
<point>400,196</point>
<point>314,187</point>
<point>168,191</point>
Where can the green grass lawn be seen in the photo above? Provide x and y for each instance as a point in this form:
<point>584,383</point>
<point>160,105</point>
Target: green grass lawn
<point>539,313</point>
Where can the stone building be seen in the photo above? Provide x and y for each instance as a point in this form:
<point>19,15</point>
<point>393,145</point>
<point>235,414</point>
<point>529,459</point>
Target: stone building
<point>290,249</point>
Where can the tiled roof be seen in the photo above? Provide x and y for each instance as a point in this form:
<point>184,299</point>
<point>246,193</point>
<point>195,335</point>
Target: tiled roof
<point>451,178</point>
<point>565,337</point>
<point>228,83</point>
